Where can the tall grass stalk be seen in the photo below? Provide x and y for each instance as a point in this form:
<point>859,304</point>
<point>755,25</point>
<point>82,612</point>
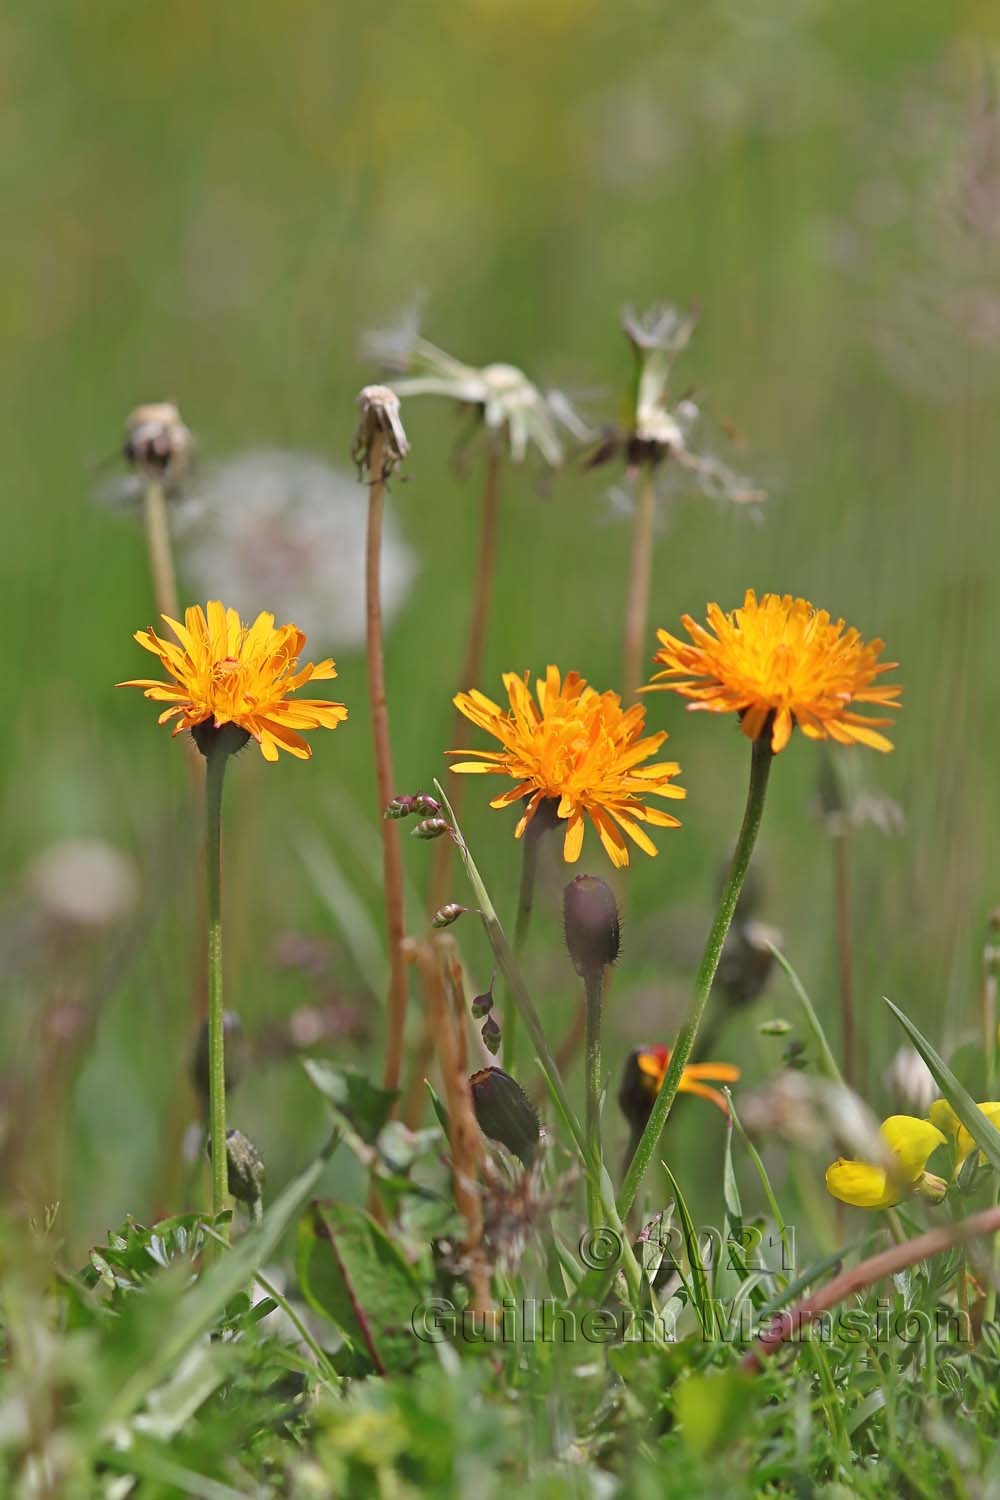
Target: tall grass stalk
<point>639,581</point>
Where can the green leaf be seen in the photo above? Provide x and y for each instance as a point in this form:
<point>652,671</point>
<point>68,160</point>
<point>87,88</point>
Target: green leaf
<point>712,1410</point>
<point>353,1274</point>
<point>983,1132</point>
<point>364,1106</point>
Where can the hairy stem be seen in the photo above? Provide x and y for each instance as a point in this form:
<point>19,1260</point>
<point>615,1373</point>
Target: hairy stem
<point>760,767</point>
<point>392,856</point>
<point>525,904</point>
<point>594,987</point>
<point>215,775</point>
<point>639,580</point>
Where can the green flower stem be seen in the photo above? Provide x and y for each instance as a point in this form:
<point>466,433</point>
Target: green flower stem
<point>529,1015</point>
<point>215,771</point>
<point>760,767</point>
<point>525,905</point>
<point>594,984</point>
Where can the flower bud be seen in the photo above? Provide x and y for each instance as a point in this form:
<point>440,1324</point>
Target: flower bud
<point>244,1167</point>
<point>934,1189</point>
<point>590,914</point>
<point>431,828</point>
<point>746,963</point>
<point>399,807</point>
<point>491,1035</point>
<point>429,806</point>
<point>505,1113</point>
<point>483,1004</point>
<point>446,915</point>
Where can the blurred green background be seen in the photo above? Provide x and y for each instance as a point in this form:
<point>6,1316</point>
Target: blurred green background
<point>213,205</point>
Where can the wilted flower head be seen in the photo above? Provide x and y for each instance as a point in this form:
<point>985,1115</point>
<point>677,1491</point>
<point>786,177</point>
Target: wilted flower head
<point>575,752</point>
<point>379,429</point>
<point>659,426</point>
<point>509,404</point>
<point>231,676</point>
<point>157,441</point>
<point>778,663</point>
<point>286,531</point>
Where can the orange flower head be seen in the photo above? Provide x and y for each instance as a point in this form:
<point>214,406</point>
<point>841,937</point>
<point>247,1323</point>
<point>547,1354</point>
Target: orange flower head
<point>777,663</point>
<point>229,673</point>
<point>578,751</point>
<point>645,1071</point>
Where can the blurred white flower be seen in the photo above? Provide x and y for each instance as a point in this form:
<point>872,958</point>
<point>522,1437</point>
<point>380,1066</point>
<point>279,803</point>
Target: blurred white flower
<point>283,531</point>
<point>82,884</point>
<point>910,1082</point>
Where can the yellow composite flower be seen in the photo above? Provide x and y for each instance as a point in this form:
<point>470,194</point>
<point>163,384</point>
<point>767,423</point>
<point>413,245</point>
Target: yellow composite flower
<point>579,750</point>
<point>909,1143</point>
<point>777,663</point>
<point>227,672</point>
<point>944,1117</point>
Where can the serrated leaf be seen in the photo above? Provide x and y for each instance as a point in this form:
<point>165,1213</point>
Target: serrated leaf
<point>352,1273</point>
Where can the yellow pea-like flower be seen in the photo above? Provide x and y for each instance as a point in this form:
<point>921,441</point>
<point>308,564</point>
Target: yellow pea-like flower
<point>909,1143</point>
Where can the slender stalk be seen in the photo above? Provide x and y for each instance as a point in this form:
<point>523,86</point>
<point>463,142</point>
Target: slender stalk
<point>215,769</point>
<point>845,962</point>
<point>594,986</point>
<point>161,561</point>
<point>475,641</point>
<point>760,767</point>
<point>990,976</point>
<point>525,903</point>
<point>890,1262</point>
<point>639,580</point>
<point>392,856</point>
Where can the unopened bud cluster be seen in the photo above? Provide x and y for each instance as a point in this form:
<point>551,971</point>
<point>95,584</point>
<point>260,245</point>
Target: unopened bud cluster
<point>405,806</point>
<point>482,1010</point>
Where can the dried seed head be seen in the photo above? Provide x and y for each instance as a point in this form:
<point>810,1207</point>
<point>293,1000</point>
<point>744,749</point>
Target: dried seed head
<point>232,1028</point>
<point>431,828</point>
<point>491,1035</point>
<point>593,934</point>
<point>156,440</point>
<point>379,426</point>
<point>505,1113</point>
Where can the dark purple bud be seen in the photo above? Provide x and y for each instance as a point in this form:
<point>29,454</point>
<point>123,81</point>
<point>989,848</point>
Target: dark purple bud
<point>505,1113</point>
<point>431,828</point>
<point>590,913</point>
<point>445,915</point>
